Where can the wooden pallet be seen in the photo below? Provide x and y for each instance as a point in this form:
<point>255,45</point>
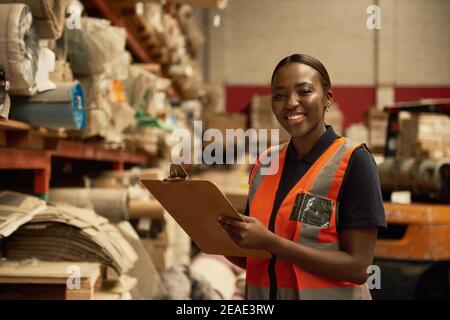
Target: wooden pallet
<point>15,134</point>
<point>49,280</point>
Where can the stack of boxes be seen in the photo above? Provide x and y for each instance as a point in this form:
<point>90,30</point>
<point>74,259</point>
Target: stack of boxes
<point>424,135</point>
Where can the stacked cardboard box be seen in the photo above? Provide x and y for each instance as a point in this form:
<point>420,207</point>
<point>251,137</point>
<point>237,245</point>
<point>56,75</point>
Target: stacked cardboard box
<point>60,280</point>
<point>224,121</point>
<point>40,242</point>
<point>424,135</point>
<point>335,118</point>
<point>34,279</point>
<point>233,183</point>
<point>158,249</point>
<point>376,122</point>
<point>70,234</point>
<point>262,117</point>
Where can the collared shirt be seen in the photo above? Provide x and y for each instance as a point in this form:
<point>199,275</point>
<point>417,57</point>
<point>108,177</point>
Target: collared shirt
<point>360,200</point>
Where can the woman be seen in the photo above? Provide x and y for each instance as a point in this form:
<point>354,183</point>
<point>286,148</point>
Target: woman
<point>318,214</point>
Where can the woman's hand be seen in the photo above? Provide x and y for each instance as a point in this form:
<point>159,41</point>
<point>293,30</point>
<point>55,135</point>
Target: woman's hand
<point>250,233</point>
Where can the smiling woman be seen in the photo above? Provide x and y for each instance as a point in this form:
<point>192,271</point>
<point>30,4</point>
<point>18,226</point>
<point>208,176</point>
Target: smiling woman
<point>300,95</point>
<point>318,214</point>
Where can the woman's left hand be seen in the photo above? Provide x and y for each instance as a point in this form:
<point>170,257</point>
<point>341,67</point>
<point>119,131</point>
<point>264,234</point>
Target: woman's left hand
<point>250,233</point>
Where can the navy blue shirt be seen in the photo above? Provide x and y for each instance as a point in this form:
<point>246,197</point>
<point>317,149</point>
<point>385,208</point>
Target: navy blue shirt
<point>360,200</point>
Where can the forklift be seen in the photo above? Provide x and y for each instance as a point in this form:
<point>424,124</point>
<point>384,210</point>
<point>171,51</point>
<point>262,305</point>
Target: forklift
<point>413,253</point>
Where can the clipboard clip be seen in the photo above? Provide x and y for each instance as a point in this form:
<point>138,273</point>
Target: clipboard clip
<point>177,173</point>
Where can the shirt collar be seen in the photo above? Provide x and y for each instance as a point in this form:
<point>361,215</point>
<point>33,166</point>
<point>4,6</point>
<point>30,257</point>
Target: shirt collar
<point>319,147</point>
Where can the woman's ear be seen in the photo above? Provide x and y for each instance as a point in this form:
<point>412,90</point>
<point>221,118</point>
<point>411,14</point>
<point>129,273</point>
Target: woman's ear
<point>329,100</point>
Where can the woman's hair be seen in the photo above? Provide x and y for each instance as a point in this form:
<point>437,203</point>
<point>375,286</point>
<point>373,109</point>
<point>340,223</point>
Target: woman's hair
<point>310,61</point>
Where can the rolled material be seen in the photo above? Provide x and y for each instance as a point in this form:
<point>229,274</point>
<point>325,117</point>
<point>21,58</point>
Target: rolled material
<point>49,16</point>
<point>210,267</point>
<point>19,53</point>
<point>4,98</point>
<point>110,203</point>
<point>423,177</point>
<point>63,107</point>
<point>4,107</point>
<point>145,209</point>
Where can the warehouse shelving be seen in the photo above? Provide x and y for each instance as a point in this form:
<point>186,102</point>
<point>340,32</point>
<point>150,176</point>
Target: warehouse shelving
<point>140,36</point>
<point>23,147</point>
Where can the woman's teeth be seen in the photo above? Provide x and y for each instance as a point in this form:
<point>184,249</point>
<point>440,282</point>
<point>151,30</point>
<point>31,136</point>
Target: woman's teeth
<point>296,117</point>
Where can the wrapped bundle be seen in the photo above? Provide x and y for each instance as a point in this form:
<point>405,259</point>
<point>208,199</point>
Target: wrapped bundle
<point>63,107</point>
<point>49,16</point>
<point>19,54</point>
<point>110,203</point>
<point>109,113</point>
<point>96,48</point>
<point>5,102</point>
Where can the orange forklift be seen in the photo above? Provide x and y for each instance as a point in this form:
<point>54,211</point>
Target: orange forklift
<point>414,252</point>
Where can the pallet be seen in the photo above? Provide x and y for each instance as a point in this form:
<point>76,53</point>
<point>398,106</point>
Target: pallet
<point>15,134</point>
<point>49,280</point>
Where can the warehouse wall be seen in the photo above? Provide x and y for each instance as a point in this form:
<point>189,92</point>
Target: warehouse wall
<point>407,59</point>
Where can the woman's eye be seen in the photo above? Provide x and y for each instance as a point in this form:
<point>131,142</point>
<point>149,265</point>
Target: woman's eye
<point>304,92</point>
<point>278,96</point>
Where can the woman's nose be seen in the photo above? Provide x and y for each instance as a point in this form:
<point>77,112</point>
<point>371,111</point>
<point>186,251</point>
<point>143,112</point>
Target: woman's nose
<point>292,101</point>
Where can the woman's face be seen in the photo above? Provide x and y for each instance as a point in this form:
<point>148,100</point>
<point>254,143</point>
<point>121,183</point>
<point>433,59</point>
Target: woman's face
<point>298,99</point>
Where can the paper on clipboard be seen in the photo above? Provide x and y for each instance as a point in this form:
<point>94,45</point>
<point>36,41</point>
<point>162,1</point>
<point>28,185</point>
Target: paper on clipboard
<point>196,205</point>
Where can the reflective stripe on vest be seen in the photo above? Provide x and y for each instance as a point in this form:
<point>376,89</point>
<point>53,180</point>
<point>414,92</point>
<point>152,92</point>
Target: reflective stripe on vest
<point>338,293</point>
<point>322,180</point>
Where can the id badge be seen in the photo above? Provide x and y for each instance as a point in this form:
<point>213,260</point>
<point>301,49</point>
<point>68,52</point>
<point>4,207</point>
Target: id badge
<point>312,210</point>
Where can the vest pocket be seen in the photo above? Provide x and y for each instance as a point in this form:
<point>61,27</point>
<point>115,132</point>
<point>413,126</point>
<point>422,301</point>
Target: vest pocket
<point>313,210</point>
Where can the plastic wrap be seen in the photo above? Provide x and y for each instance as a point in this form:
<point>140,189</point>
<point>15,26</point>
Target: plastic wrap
<point>97,48</point>
<point>5,102</point>
<point>110,203</point>
<point>63,107</point>
<point>19,54</point>
<point>49,16</point>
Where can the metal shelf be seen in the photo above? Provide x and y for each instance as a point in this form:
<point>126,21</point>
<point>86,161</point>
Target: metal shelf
<point>23,147</point>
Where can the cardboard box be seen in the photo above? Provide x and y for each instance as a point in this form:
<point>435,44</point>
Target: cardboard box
<point>224,121</point>
<point>262,117</point>
<point>159,251</point>
<point>376,122</point>
<point>424,135</point>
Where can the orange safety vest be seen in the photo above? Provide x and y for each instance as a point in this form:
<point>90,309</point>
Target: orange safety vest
<point>322,181</point>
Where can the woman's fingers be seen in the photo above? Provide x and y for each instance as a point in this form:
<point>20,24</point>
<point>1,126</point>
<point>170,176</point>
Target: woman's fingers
<point>232,233</point>
<point>236,239</point>
<point>230,228</point>
<point>232,222</point>
<point>246,218</point>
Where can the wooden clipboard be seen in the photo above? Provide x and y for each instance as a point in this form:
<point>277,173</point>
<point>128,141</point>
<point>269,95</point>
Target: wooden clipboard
<point>195,205</point>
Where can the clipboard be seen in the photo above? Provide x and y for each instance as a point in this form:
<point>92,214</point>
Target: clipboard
<point>195,205</point>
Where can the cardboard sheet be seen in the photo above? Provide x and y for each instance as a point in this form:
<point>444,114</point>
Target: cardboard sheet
<point>196,205</point>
